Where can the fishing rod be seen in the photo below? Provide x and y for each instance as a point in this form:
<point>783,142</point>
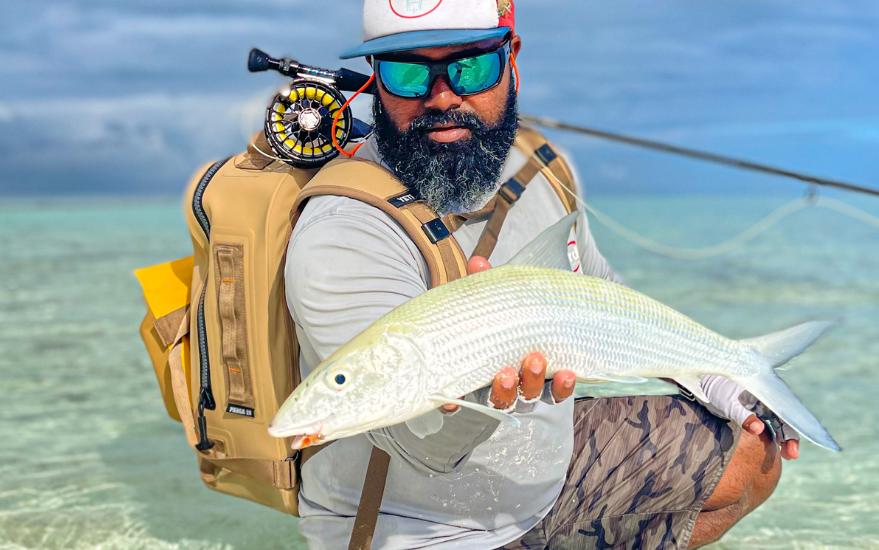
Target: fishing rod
<point>700,155</point>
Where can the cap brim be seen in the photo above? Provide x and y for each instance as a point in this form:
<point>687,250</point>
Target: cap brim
<point>424,39</point>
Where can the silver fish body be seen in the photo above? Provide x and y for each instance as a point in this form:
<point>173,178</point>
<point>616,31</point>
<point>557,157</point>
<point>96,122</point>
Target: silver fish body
<point>454,339</point>
<point>603,331</point>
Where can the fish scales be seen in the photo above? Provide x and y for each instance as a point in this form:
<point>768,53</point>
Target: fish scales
<point>584,324</point>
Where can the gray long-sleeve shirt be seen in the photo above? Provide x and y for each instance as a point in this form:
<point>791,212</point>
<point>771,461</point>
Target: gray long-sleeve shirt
<point>472,484</point>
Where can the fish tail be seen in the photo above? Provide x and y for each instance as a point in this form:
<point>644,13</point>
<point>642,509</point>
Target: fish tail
<point>775,350</point>
<point>773,392</point>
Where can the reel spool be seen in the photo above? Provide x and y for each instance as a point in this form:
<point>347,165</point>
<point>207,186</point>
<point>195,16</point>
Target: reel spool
<point>299,123</point>
<point>299,120</point>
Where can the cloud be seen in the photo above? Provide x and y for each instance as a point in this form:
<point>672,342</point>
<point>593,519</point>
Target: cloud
<point>103,95</point>
<point>144,143</point>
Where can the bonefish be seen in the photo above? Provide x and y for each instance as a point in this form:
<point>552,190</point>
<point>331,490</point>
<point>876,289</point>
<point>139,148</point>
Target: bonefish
<point>454,339</point>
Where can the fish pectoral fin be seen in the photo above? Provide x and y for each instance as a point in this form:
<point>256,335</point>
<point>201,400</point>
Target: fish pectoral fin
<point>488,411</point>
<point>693,383</point>
<point>550,248</point>
<point>604,378</point>
<point>426,424</point>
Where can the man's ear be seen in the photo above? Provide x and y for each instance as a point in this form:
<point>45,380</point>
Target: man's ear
<point>516,45</point>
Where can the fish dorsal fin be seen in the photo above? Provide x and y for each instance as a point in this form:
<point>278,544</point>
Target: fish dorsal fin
<point>550,249</point>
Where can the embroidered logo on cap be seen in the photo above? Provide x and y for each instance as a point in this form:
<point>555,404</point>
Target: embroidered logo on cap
<point>413,9</point>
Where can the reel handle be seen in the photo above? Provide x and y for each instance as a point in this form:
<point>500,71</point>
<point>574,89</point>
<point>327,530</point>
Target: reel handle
<point>346,80</point>
<point>351,81</point>
<point>259,62</point>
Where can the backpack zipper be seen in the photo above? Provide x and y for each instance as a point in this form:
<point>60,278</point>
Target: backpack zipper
<point>206,394</point>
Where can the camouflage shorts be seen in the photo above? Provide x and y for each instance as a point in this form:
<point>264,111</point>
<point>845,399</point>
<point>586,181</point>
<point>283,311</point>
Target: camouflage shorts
<point>642,469</point>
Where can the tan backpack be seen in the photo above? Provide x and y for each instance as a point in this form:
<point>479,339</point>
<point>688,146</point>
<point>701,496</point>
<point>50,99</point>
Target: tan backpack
<point>218,330</point>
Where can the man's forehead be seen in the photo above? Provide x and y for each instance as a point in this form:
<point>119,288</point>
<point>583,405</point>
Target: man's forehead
<point>446,52</point>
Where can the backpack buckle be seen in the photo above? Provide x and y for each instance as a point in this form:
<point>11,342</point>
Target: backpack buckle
<point>512,190</point>
<point>546,154</point>
<point>436,230</point>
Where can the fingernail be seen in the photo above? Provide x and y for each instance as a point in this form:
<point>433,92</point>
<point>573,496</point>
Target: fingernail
<point>535,367</point>
<point>568,384</point>
<point>753,427</point>
<point>508,382</point>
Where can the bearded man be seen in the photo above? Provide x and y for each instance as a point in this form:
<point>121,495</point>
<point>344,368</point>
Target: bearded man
<point>634,472</point>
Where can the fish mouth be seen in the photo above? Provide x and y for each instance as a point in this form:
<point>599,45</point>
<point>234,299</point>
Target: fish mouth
<point>304,434</point>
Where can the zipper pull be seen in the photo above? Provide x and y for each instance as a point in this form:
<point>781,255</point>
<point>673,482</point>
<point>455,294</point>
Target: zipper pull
<point>206,399</point>
<point>204,444</point>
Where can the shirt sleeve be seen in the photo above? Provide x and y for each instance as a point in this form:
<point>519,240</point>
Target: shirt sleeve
<point>346,269</point>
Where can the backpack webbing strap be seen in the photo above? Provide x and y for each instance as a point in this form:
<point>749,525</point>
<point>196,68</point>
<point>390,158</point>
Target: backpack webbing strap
<point>553,166</point>
<point>178,381</point>
<point>509,193</point>
<point>370,500</point>
<point>168,326</point>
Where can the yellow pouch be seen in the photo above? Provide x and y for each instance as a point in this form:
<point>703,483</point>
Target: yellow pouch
<point>167,290</point>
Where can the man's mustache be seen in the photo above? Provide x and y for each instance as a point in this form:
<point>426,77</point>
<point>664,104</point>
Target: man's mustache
<point>429,120</point>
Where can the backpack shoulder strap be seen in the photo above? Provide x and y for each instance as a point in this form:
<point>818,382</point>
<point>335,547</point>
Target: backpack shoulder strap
<point>370,183</point>
<point>552,165</point>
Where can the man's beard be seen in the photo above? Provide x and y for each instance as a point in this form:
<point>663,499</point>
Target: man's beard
<point>456,177</point>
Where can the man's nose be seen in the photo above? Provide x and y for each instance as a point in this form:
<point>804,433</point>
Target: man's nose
<point>442,97</point>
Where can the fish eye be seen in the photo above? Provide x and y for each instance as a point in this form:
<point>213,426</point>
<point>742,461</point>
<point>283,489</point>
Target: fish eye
<point>338,379</point>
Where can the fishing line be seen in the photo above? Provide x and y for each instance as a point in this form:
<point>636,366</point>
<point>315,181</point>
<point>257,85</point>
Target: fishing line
<point>700,155</point>
<point>729,245</point>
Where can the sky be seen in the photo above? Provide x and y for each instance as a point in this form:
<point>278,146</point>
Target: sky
<point>110,97</point>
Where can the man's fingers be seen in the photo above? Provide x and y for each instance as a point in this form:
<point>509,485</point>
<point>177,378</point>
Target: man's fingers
<point>533,375</point>
<point>504,390</point>
<point>477,264</point>
<point>754,425</point>
<point>790,449</point>
<point>449,408</point>
<point>563,384</point>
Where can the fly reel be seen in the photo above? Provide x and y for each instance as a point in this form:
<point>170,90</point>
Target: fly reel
<point>299,123</point>
<point>299,120</point>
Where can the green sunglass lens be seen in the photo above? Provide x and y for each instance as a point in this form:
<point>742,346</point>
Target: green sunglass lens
<point>405,79</point>
<point>475,74</point>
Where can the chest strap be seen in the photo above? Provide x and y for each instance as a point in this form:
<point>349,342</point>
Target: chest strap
<point>542,159</point>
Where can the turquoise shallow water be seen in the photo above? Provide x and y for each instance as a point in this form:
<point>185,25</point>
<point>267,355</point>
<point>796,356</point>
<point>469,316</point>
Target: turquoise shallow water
<point>91,461</point>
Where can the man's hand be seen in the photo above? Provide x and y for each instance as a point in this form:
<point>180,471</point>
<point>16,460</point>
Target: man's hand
<point>529,379</point>
<point>729,400</point>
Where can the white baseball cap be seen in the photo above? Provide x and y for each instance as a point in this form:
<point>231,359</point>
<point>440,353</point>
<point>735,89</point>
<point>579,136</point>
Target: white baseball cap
<point>401,25</point>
